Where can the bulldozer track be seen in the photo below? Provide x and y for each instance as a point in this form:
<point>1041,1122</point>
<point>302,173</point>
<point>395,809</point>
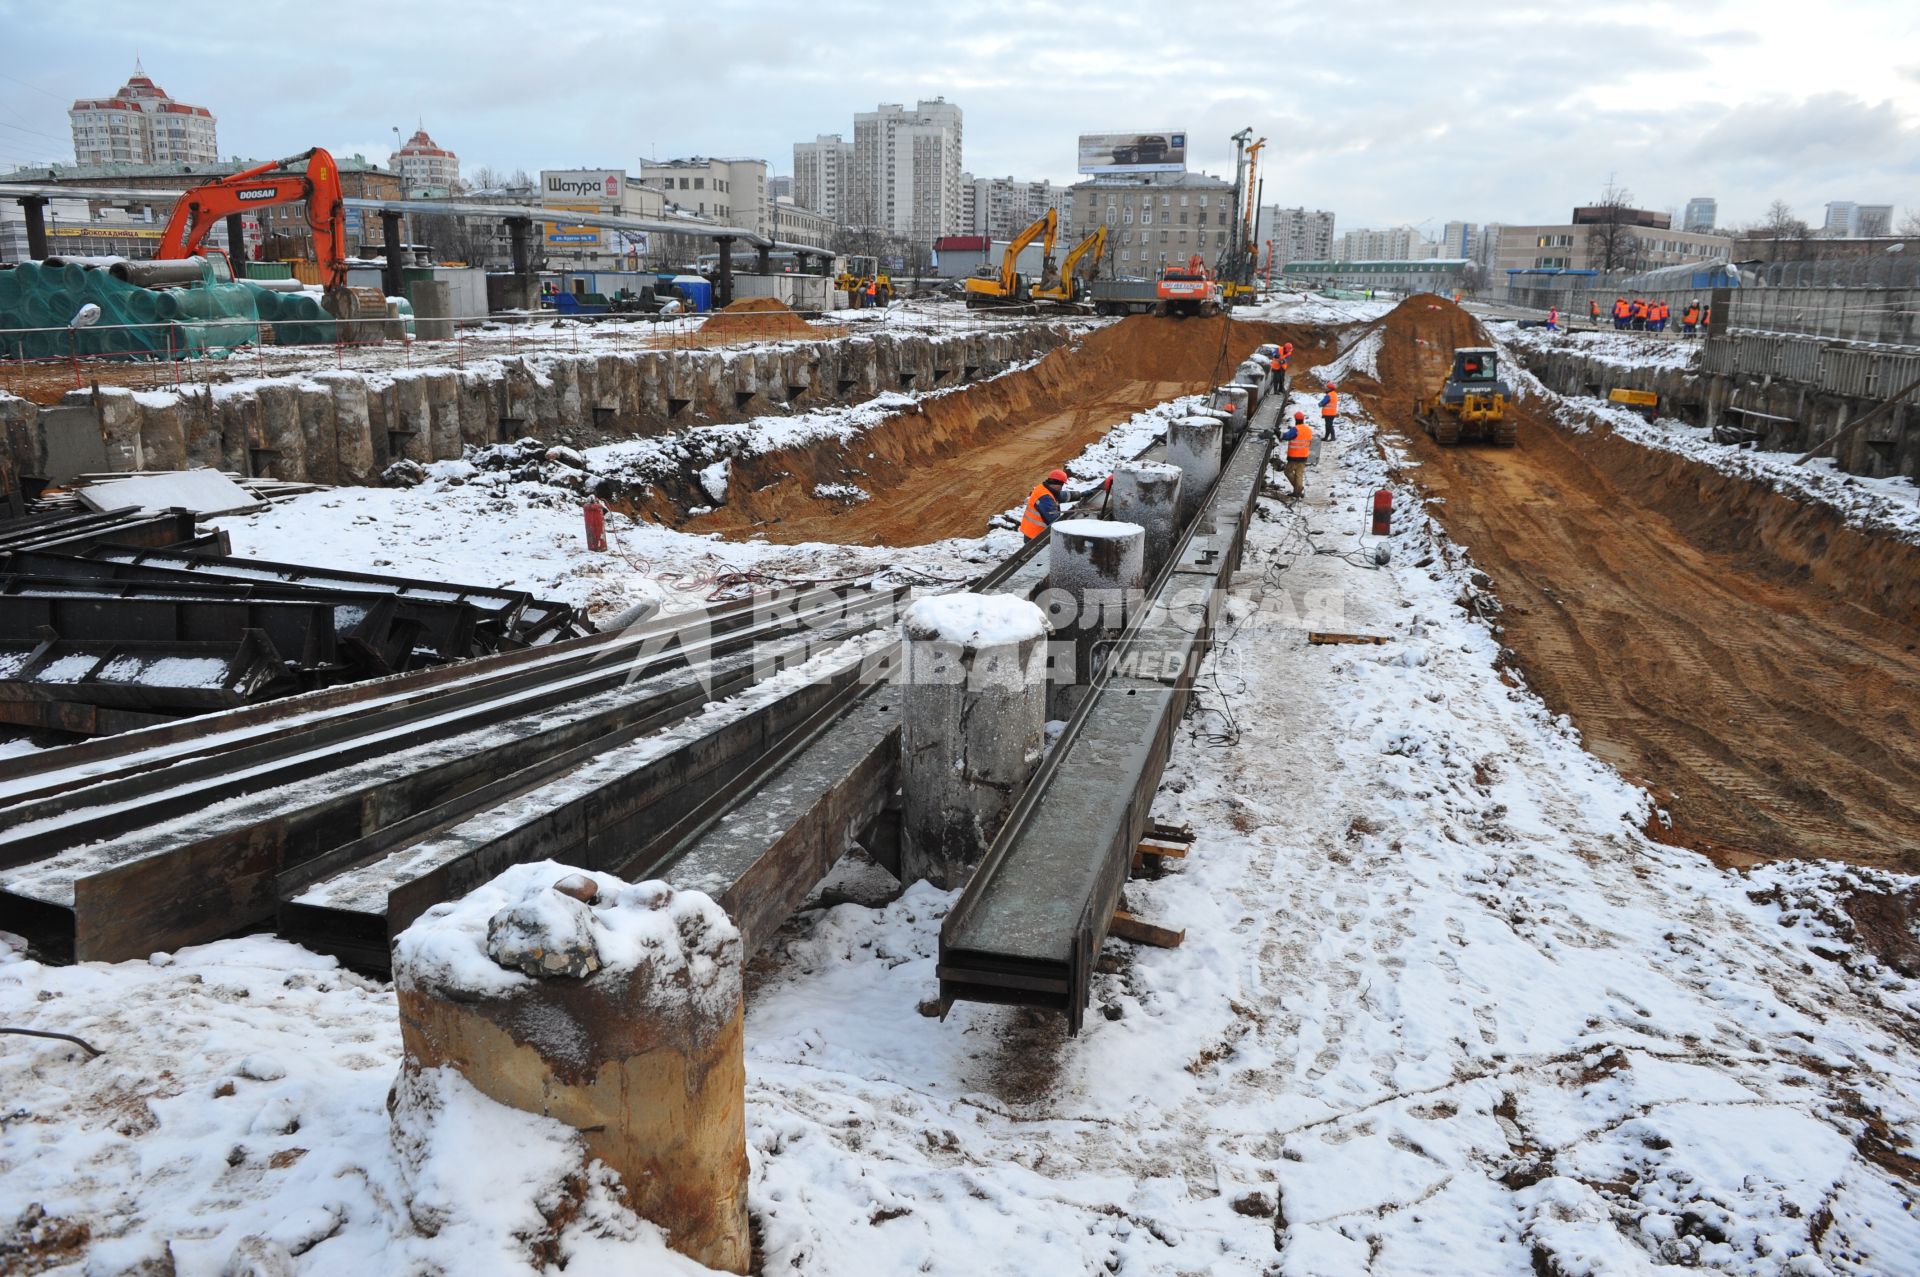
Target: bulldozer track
<point>1770,714</point>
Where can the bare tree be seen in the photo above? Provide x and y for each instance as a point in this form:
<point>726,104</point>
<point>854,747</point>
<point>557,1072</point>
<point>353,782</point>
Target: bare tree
<point>1612,244</point>
<point>1910,222</point>
<point>1778,227</point>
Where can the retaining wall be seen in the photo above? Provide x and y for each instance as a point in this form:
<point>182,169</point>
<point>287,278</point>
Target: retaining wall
<point>1784,394</point>
<point>347,427</point>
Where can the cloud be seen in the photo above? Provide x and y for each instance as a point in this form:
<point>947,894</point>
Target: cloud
<point>1384,112</point>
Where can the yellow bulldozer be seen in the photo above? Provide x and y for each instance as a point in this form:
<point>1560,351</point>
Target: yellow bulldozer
<point>1473,404</point>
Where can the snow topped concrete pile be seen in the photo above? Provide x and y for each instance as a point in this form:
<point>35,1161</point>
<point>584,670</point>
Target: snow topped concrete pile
<point>975,620</point>
<point>682,938</point>
<point>611,1007</point>
<point>237,1113</point>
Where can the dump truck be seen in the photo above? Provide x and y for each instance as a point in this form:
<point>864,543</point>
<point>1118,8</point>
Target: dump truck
<point>1473,404</point>
<point>1123,296</point>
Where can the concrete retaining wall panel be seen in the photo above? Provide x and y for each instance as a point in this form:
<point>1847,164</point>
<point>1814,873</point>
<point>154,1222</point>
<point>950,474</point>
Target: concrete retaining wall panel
<point>284,444</point>
<point>317,432</point>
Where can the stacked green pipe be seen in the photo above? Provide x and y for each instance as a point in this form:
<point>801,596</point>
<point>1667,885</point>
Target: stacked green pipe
<point>45,296</point>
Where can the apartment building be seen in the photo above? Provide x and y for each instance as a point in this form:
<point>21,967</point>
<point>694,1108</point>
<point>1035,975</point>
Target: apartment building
<point>1155,218</point>
<point>140,124</point>
<point>823,175</point>
<point>906,170</point>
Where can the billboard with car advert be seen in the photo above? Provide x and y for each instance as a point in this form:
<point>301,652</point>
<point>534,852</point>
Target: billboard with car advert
<point>1164,151</point>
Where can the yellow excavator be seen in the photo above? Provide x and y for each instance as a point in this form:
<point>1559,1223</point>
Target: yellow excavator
<point>1004,286</point>
<point>1066,291</point>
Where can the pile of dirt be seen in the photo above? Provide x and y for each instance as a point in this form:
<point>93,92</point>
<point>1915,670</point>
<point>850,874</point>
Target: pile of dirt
<point>1417,345</point>
<point>754,317</point>
<point>945,466</point>
<point>1750,659</point>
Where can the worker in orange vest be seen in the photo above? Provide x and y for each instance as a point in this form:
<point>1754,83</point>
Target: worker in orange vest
<point>873,291</point>
<point>1329,409</point>
<point>1299,440</point>
<point>1593,312</point>
<point>1620,312</point>
<point>1043,504</point>
<point>1690,319</point>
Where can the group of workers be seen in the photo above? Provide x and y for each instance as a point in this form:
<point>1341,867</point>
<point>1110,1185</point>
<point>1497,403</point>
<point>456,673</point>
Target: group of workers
<point>1046,502</point>
<point>1641,315</point>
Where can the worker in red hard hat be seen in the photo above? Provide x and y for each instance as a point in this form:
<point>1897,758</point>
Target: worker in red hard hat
<point>1043,504</point>
<point>1329,409</point>
<point>1299,440</point>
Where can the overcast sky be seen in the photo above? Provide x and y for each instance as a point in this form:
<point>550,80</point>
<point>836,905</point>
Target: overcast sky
<point>1385,113</point>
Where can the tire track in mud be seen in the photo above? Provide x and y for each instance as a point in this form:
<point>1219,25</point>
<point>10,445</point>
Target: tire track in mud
<point>1712,663</point>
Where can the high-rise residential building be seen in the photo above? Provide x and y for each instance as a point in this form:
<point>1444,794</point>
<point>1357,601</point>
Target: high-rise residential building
<point>142,125</point>
<point>823,176</point>
<point>1848,220</point>
<point>1154,219</point>
<point>426,166</point>
<point>1459,239</point>
<point>1297,234</point>
<point>1002,207</point>
<point>1702,212</point>
<point>780,187</point>
<point>1395,244</point>
<point>731,192</point>
<point>906,170</point>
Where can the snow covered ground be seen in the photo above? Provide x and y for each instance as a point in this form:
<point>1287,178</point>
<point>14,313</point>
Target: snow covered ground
<point>1885,507</point>
<point>1311,308</point>
<point>1442,1007</point>
<point>1622,349</point>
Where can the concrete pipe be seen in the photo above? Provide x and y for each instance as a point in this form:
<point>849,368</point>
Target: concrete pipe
<point>1096,579</point>
<point>1148,493</point>
<point>183,270</point>
<point>1193,444</point>
<point>973,720</point>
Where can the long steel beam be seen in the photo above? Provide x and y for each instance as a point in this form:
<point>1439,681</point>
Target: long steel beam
<point>1029,927</point>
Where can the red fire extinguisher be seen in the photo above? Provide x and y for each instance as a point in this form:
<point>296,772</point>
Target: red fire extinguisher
<point>1383,513</point>
<point>596,513</point>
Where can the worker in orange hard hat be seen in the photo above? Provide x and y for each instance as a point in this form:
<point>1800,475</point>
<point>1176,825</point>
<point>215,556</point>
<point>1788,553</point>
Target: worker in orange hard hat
<point>1329,409</point>
<point>1043,504</point>
<point>1299,440</point>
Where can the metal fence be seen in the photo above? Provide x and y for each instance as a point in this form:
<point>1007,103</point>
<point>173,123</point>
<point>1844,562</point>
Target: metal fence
<point>1864,374</point>
<point>1835,312</point>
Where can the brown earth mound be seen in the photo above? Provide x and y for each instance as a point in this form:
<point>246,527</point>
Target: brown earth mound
<point>1749,658</point>
<point>760,317</point>
<point>944,467</point>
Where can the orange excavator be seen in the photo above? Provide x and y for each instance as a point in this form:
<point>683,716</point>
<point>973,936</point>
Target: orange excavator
<point>198,210</point>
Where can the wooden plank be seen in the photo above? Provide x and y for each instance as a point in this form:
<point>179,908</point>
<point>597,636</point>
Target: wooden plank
<point>1317,638</point>
<point>1170,851</point>
<point>1128,927</point>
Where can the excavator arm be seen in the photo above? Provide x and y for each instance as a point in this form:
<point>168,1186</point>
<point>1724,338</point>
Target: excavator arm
<point>1004,286</point>
<point>1048,226</point>
<point>197,211</point>
<point>1094,244</point>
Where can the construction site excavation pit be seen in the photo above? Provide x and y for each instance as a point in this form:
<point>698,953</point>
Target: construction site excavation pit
<point>1751,659</point>
<point>945,465</point>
